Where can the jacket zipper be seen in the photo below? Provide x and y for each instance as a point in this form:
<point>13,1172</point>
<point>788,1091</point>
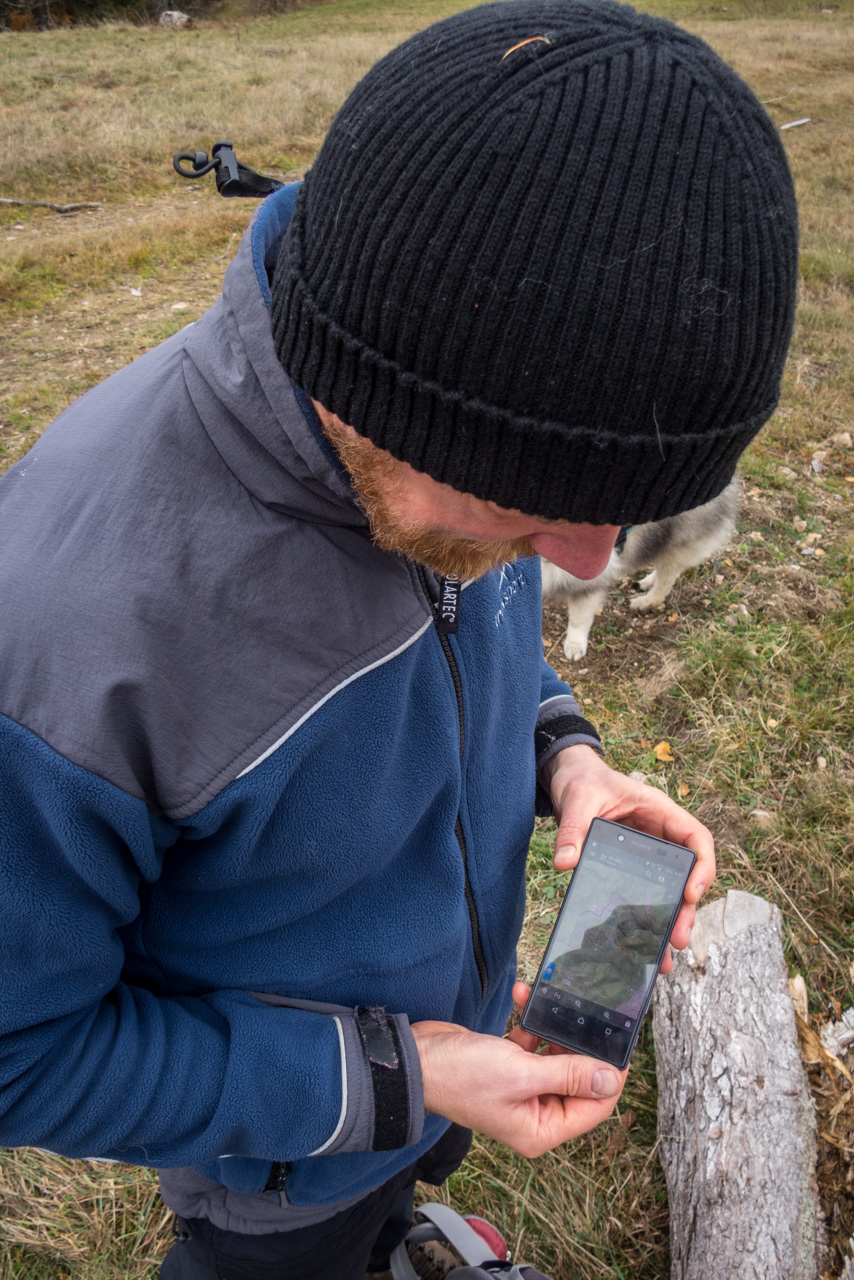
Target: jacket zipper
<point>278,1179</point>
<point>474,923</point>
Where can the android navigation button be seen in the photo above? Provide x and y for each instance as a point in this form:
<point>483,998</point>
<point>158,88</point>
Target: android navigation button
<point>581,1022</point>
<point>607,1031</point>
<point>555,1008</point>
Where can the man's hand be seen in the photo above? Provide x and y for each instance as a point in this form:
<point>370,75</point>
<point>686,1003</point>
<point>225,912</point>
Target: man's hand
<point>503,1088</point>
<point>582,788</point>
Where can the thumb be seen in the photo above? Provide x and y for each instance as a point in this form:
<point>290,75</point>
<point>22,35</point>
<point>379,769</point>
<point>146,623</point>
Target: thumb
<point>571,834</point>
<point>575,1076</point>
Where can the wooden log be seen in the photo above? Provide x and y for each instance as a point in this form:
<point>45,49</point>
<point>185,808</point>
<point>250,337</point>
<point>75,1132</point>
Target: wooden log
<point>736,1121</point>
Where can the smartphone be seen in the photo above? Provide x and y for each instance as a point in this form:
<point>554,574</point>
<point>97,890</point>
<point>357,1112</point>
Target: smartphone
<point>596,978</point>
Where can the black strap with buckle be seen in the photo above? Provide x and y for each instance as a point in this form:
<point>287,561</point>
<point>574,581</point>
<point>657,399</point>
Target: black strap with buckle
<point>232,177</point>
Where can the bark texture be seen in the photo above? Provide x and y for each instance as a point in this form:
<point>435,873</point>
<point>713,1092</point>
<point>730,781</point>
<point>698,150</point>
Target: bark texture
<point>736,1121</point>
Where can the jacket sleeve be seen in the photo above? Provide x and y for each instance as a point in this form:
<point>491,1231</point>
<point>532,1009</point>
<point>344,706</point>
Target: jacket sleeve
<point>559,724</point>
<point>92,1064</point>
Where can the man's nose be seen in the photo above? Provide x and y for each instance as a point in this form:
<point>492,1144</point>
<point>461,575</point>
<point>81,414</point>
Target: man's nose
<point>581,549</point>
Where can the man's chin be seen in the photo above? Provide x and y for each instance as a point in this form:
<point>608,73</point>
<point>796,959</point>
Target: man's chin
<point>374,475</point>
<point>448,557</point>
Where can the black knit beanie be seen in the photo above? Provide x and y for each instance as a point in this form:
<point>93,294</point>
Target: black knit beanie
<point>547,255</point>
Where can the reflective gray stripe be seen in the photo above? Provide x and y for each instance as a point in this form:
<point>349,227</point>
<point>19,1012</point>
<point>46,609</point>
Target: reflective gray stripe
<point>558,697</point>
<point>340,1125</point>
<point>380,661</point>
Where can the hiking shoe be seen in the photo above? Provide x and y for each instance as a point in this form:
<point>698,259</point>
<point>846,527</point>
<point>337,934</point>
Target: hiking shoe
<point>441,1241</point>
<point>433,1260</point>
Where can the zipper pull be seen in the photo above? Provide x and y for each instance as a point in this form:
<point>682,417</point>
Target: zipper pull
<point>447,608</point>
<point>278,1179</point>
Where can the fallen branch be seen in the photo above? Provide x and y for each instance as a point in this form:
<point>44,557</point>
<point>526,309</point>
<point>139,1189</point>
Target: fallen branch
<point>48,204</point>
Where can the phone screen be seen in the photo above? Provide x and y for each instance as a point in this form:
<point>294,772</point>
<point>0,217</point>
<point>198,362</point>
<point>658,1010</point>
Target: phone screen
<point>596,978</point>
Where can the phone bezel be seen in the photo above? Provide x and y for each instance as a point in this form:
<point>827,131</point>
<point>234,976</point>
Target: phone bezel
<point>621,1062</point>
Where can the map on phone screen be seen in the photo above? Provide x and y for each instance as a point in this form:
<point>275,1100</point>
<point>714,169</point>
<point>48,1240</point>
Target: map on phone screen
<point>601,951</point>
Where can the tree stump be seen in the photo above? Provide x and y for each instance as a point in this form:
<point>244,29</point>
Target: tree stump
<point>736,1122</point>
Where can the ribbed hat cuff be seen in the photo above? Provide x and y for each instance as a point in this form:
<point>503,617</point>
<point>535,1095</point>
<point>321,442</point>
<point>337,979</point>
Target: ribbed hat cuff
<point>546,469</point>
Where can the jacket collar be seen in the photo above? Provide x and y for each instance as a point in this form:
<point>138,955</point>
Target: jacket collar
<point>244,397</point>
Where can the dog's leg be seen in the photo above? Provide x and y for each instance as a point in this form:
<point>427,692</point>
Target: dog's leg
<point>674,561</point>
<point>580,614</point>
<point>678,543</point>
<point>666,571</point>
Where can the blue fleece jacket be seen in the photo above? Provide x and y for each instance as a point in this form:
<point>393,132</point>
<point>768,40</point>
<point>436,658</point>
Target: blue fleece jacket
<point>256,815</point>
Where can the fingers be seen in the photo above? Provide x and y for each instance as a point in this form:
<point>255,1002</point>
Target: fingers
<point>582,1073</point>
<point>570,1075</point>
<point>521,994</point>
<point>573,828</point>
<point>580,1115</point>
<point>590,789</point>
<point>573,1093</point>
<point>526,1041</point>
<point>530,1101</point>
<point>681,934</point>
<point>705,868</point>
<point>566,855</point>
<point>661,816</point>
<point>559,1120</point>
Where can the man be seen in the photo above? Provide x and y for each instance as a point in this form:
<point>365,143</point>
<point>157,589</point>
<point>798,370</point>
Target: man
<point>269,774</point>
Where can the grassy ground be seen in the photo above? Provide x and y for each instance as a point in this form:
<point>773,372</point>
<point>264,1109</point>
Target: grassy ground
<point>748,674</point>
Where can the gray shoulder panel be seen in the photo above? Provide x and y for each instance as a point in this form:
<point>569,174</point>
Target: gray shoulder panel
<point>184,576</point>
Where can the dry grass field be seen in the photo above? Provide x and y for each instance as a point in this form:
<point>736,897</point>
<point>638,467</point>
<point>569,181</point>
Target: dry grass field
<point>748,675</point>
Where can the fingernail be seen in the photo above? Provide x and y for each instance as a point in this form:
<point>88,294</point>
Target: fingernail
<point>701,889</point>
<point>604,1084</point>
<point>565,851</point>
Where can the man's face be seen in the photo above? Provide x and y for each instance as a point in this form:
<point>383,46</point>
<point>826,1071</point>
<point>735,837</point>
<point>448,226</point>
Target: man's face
<point>455,533</point>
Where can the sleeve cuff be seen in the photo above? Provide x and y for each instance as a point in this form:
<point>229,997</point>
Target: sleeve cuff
<point>383,1095</point>
<point>382,1092</point>
<point>560,724</point>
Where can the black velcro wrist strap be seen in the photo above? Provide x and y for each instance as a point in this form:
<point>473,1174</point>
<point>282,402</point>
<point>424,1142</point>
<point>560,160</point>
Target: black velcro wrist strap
<point>388,1076</point>
<point>561,727</point>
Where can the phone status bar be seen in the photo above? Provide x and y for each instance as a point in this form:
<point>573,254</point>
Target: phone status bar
<point>633,864</point>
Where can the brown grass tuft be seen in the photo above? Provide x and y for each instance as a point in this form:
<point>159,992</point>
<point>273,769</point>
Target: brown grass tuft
<point>101,1222</point>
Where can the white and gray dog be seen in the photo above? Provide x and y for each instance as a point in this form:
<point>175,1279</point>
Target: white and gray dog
<point>666,547</point>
